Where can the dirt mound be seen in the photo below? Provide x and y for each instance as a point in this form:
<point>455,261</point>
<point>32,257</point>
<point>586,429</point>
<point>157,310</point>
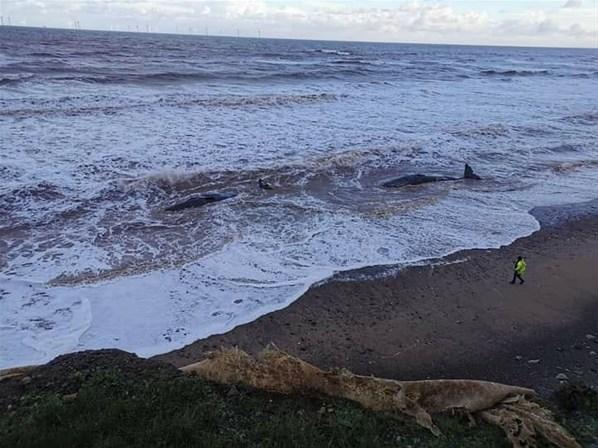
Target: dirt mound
<point>65,374</point>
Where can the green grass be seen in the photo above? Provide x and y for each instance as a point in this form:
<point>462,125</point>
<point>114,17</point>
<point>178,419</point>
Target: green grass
<point>189,412</point>
<point>579,411</point>
<point>111,410</point>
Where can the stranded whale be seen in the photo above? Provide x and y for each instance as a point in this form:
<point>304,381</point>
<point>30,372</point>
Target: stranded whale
<point>403,181</point>
<point>417,179</point>
<point>264,185</point>
<point>199,201</point>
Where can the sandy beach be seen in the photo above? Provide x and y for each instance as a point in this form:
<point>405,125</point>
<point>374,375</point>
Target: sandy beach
<point>455,318</point>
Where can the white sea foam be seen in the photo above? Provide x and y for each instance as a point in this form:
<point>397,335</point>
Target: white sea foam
<point>166,309</point>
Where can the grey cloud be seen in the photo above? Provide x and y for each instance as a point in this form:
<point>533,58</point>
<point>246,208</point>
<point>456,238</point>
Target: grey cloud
<point>413,20</point>
<point>546,28</point>
<point>578,31</point>
<point>573,4</point>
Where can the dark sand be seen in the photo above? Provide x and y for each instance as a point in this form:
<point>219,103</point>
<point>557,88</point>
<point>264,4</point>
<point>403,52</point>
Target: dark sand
<point>459,320</point>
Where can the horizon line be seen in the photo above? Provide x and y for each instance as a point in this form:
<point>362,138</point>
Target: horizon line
<point>101,30</point>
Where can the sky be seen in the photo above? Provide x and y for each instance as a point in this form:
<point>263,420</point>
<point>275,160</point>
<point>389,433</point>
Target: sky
<point>560,23</point>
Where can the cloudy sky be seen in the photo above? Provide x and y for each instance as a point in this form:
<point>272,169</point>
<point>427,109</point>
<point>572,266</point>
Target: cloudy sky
<point>507,22</point>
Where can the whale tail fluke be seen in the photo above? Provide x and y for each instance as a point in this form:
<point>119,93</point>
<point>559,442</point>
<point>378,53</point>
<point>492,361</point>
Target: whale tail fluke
<point>469,174</point>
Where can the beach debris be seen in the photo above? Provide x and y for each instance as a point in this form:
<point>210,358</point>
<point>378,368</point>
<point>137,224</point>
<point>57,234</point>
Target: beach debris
<point>70,397</point>
<point>509,407</point>
<point>523,420</point>
<point>17,372</point>
<point>562,377</point>
<point>533,361</point>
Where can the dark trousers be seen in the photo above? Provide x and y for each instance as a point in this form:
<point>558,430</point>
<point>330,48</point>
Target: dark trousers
<point>516,275</point>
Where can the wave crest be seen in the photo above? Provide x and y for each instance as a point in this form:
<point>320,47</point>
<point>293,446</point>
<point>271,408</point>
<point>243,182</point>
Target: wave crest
<point>587,118</point>
<point>71,106</point>
<point>9,79</point>
<point>347,163</point>
<point>513,73</point>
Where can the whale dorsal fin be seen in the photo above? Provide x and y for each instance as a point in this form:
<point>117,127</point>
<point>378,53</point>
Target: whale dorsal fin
<point>469,174</point>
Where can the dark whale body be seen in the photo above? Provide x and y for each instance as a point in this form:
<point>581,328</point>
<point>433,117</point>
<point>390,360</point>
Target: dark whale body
<point>264,185</point>
<point>414,179</point>
<point>417,179</point>
<point>199,201</point>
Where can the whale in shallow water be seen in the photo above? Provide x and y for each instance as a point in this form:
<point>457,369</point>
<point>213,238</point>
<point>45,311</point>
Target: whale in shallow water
<point>199,201</point>
<point>417,179</point>
<point>264,185</point>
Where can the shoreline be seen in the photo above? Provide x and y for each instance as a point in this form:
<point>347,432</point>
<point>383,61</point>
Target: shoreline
<point>454,317</point>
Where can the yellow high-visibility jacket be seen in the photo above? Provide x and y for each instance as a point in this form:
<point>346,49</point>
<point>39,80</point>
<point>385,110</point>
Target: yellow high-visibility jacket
<point>520,267</point>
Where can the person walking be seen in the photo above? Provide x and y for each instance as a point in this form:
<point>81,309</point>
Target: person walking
<point>520,267</point>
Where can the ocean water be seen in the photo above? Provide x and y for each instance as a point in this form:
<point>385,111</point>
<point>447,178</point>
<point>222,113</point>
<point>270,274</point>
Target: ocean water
<point>100,132</point>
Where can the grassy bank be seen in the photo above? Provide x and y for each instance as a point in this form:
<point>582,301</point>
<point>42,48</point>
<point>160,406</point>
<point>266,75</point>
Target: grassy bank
<point>117,400</point>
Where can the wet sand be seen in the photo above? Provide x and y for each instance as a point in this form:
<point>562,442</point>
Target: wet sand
<point>456,318</point>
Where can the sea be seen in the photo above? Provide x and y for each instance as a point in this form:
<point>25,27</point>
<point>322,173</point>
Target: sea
<point>100,132</point>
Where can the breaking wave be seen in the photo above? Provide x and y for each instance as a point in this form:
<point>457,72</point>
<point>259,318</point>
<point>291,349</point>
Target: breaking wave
<point>586,118</point>
<point>488,131</point>
<point>565,148</point>
<point>14,79</point>
<point>348,164</point>
<point>253,74</point>
<point>334,52</point>
<point>43,191</point>
<point>109,105</point>
<point>512,73</point>
<point>569,167</point>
